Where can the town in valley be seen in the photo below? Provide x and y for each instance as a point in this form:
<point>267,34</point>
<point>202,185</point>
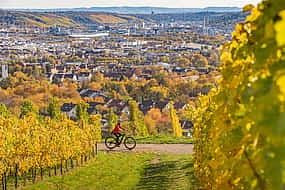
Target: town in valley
<point>152,61</point>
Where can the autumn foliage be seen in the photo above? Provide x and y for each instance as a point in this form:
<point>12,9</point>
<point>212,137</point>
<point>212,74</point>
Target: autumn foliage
<point>239,128</point>
<point>32,142</point>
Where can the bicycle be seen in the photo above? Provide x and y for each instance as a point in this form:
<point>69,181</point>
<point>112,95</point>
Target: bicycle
<point>129,142</point>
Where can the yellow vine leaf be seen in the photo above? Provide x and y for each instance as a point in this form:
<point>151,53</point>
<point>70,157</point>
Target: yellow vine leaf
<point>236,180</point>
<point>255,13</point>
<point>280,29</point>
<point>281,84</point>
<point>247,8</point>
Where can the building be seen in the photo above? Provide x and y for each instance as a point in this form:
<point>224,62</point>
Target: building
<point>84,76</point>
<point>69,109</point>
<point>187,128</point>
<point>4,71</point>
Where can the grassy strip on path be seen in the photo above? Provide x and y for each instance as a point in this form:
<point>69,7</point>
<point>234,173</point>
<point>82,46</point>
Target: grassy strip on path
<point>125,171</point>
<point>164,139</point>
<point>168,171</point>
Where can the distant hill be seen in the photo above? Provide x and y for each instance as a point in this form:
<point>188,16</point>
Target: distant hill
<point>226,18</point>
<point>140,10</point>
<point>66,18</point>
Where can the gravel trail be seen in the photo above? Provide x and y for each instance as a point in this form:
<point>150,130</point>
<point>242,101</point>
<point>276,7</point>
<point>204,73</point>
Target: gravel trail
<point>155,148</point>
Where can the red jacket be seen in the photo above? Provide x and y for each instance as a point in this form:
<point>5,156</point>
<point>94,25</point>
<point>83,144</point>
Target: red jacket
<point>117,129</point>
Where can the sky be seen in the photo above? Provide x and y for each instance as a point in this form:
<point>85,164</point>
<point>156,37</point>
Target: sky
<point>46,4</point>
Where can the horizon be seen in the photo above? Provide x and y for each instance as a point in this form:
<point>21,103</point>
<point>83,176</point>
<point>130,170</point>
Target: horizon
<point>130,7</point>
<point>64,8</point>
<point>65,4</point>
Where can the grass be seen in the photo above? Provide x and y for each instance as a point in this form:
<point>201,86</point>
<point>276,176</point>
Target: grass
<point>164,139</point>
<point>127,171</point>
<point>113,171</point>
<point>169,171</point>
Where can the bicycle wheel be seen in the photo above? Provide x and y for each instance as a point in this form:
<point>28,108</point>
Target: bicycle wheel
<point>110,142</point>
<point>130,143</point>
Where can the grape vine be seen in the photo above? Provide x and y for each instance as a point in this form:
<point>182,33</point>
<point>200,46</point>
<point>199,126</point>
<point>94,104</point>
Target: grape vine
<point>240,125</point>
<point>33,143</point>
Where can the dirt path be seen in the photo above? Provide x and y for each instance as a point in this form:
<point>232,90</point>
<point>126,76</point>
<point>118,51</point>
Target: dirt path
<point>155,148</point>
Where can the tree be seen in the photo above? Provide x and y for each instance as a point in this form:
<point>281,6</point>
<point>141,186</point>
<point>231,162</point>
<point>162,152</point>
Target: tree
<point>81,111</point>
<point>177,130</point>
<point>36,72</point>
<point>4,112</point>
<point>164,59</point>
<point>151,120</point>
<point>94,86</point>
<point>6,83</point>
<point>161,77</point>
<point>183,61</point>
<point>97,77</point>
<point>158,93</point>
<point>112,119</point>
<point>27,107</point>
<point>151,125</point>
<point>136,120</point>
<point>199,60</point>
<point>54,109</point>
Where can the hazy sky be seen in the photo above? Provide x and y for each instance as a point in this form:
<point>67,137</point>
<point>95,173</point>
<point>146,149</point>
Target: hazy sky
<point>99,3</point>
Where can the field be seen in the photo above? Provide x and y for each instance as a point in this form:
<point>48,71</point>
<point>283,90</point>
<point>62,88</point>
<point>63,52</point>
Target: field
<point>118,171</point>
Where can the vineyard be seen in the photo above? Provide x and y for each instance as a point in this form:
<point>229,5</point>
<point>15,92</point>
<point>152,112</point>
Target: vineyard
<point>240,125</point>
<point>66,19</point>
<point>33,143</point>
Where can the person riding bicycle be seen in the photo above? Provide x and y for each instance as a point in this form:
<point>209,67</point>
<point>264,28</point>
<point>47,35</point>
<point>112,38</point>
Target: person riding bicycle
<point>117,133</point>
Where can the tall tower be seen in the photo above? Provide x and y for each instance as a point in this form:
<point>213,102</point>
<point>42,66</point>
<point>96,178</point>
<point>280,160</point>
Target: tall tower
<point>205,25</point>
<point>4,71</point>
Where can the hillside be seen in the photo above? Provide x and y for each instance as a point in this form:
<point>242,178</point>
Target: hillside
<point>67,19</point>
<point>73,18</point>
<point>214,18</point>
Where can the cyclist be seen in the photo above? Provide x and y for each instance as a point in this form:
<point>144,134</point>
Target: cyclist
<point>117,133</point>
